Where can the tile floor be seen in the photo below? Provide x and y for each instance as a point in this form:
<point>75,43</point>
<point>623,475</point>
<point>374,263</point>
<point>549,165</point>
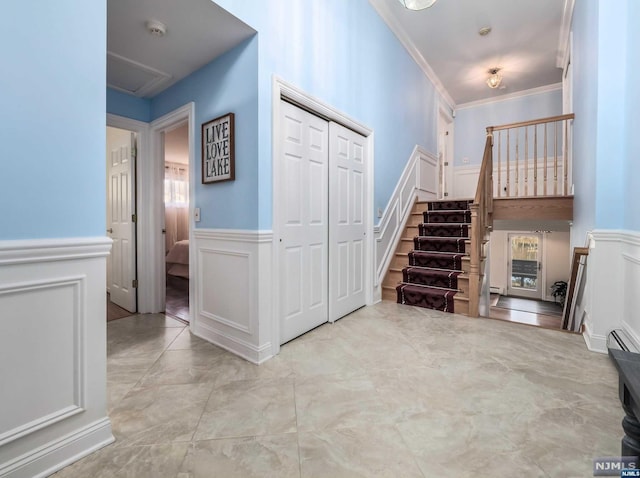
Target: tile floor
<point>389,391</point>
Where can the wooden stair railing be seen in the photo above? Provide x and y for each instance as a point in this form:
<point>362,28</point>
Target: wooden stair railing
<point>481,224</point>
<point>529,149</point>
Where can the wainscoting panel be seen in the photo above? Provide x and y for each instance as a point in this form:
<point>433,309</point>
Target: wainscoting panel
<point>52,353</point>
<point>465,179</point>
<point>418,180</point>
<point>229,310</point>
<point>613,275</point>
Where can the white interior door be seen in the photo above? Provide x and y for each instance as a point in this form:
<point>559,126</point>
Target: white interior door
<point>304,226</point>
<point>347,231</point>
<point>120,223</point>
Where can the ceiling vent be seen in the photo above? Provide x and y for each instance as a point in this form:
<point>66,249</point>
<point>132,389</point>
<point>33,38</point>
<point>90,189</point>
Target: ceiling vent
<point>134,78</point>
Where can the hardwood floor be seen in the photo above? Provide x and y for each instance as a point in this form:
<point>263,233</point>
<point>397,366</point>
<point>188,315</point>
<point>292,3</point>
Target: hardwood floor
<point>522,317</point>
<point>115,312</point>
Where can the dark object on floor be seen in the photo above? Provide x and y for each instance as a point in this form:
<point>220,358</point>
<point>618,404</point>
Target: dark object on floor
<point>559,291</point>
<point>530,305</point>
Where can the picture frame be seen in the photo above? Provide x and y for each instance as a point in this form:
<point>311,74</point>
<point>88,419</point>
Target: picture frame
<point>218,149</point>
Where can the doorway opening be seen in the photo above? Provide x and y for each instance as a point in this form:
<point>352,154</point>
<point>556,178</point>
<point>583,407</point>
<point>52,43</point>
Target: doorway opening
<point>121,148</point>
<point>176,220</point>
<point>525,266</point>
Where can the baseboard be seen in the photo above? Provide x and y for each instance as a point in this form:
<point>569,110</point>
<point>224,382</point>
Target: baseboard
<point>57,454</point>
<point>595,342</point>
<point>247,351</point>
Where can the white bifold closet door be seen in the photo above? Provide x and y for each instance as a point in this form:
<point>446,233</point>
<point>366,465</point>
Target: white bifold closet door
<point>347,231</point>
<point>321,197</point>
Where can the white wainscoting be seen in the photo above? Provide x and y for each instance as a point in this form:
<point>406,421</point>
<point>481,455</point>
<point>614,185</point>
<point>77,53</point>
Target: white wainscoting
<point>52,353</point>
<point>418,180</point>
<point>233,301</point>
<point>465,179</point>
<point>611,296</point>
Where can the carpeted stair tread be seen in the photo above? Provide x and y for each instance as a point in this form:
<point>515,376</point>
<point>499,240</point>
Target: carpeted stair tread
<point>449,205</point>
<point>436,260</point>
<point>424,296</point>
<point>447,216</point>
<point>439,244</point>
<point>444,229</point>
<point>431,277</point>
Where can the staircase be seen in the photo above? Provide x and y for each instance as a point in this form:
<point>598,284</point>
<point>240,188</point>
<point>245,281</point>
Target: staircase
<point>430,268</point>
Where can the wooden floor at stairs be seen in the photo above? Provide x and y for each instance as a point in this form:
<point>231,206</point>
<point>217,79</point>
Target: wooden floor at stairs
<point>431,263</point>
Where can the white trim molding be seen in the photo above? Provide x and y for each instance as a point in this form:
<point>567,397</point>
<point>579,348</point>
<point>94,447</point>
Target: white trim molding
<point>611,298</point>
<point>511,96</point>
<point>419,180</point>
<point>53,346</point>
<point>233,301</point>
<point>151,258</point>
<point>565,30</point>
<point>382,8</point>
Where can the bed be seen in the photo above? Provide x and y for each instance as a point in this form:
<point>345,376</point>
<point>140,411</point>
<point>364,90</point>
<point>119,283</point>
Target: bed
<point>177,260</point>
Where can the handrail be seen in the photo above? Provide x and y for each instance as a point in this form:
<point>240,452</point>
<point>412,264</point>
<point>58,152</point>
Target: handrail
<point>550,119</point>
<point>481,223</point>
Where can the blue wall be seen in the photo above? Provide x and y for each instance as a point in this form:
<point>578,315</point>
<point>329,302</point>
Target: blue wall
<point>52,119</point>
<point>632,130</point>
<point>344,54</point>
<point>606,141</point>
<point>611,144</point>
<point>228,84</point>
<point>122,104</point>
<point>471,122</point>
<point>585,107</point>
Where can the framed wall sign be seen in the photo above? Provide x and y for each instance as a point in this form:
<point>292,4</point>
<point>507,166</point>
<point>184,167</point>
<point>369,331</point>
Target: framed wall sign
<point>218,161</point>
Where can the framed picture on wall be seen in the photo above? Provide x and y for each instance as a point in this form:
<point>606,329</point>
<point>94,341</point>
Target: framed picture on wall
<point>218,144</point>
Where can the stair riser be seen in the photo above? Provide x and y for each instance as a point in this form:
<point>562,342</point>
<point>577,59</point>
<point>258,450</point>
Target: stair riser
<point>393,278</point>
<point>405,246</point>
<point>389,295</point>
<point>461,306</point>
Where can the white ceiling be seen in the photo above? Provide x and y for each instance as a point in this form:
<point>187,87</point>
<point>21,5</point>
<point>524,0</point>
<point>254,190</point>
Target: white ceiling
<point>523,42</point>
<point>139,63</point>
<point>444,39</point>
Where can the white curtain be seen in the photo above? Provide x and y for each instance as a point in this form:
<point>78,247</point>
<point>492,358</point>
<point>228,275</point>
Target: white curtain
<point>176,203</point>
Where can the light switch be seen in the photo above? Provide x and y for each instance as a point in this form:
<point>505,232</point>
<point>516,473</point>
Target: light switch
<point>196,214</point>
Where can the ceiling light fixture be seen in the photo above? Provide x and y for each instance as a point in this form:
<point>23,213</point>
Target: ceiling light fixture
<point>156,28</point>
<point>417,4</point>
<point>495,79</point>
<point>484,31</point>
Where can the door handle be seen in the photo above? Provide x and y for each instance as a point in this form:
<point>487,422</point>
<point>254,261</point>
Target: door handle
<point>164,231</point>
<point>110,230</point>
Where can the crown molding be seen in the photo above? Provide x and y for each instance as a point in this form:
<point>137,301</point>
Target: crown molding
<point>565,29</point>
<point>380,6</point>
<point>511,96</point>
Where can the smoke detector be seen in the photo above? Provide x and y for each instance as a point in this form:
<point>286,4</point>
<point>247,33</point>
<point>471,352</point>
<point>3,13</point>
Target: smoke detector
<point>156,28</point>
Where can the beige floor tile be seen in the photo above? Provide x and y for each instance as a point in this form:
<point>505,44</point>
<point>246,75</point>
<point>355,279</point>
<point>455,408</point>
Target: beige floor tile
<point>155,461</point>
<point>366,451</point>
<point>183,366</point>
<point>320,357</point>
<point>254,457</point>
<point>249,408</point>
<point>159,414</point>
<point>332,403</point>
<point>389,390</point>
